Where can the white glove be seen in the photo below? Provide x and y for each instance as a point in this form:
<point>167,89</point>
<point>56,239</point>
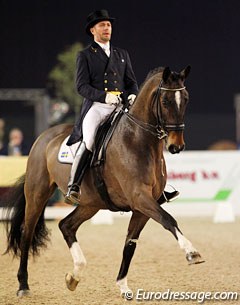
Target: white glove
<point>112,99</point>
<point>131,99</point>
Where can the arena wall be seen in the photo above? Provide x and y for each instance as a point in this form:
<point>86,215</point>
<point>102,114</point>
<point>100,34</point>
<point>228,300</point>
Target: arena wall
<point>208,182</point>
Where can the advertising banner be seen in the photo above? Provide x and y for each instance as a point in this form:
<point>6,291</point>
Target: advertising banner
<point>206,178</point>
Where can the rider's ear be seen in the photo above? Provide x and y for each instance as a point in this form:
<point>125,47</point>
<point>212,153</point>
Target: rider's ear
<point>185,72</point>
<point>166,74</point>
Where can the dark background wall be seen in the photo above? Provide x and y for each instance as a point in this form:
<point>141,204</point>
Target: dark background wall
<point>175,33</point>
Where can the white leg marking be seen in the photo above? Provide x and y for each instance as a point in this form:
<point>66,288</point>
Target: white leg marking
<point>178,98</point>
<point>122,284</point>
<point>184,243</point>
<point>78,260</point>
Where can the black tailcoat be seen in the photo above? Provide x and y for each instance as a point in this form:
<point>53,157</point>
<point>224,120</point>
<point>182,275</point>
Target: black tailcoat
<point>97,74</point>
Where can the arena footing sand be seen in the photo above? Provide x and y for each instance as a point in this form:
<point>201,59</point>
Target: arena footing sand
<point>158,266</point>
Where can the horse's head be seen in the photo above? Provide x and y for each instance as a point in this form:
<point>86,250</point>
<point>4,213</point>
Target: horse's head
<point>160,106</point>
<point>172,99</point>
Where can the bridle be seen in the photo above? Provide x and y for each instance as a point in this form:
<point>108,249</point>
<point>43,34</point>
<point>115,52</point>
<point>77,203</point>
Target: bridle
<point>160,130</point>
<point>168,127</point>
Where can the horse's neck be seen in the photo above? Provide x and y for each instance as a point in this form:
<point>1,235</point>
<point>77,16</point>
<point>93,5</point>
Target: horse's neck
<point>142,109</point>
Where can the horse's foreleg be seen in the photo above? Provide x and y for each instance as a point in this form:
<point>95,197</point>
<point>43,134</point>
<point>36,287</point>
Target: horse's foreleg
<point>135,227</point>
<point>156,212</point>
<point>192,255</point>
<point>169,223</point>
<point>68,227</point>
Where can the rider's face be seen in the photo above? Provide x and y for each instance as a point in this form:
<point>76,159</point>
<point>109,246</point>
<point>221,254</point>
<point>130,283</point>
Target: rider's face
<point>102,31</point>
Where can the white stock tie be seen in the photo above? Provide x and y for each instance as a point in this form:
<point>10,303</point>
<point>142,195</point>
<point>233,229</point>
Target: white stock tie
<point>107,51</point>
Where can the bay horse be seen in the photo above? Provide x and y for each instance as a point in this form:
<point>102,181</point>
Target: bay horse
<point>134,172</point>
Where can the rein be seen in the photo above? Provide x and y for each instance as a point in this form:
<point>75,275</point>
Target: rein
<point>153,129</point>
<point>159,129</point>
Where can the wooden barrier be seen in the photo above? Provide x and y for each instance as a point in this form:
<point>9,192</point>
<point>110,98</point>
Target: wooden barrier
<point>11,168</point>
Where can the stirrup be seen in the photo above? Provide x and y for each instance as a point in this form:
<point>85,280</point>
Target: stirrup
<point>72,197</point>
<point>168,197</point>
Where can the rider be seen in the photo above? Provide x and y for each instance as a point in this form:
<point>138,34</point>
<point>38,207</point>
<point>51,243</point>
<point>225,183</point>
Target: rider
<point>105,78</point>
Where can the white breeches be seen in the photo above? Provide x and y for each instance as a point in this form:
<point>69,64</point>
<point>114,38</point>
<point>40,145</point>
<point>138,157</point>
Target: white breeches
<point>96,115</point>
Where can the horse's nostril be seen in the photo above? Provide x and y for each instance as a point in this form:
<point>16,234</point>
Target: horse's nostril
<point>175,149</point>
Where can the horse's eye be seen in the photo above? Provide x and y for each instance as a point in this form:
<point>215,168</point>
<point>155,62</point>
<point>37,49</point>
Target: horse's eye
<point>165,102</point>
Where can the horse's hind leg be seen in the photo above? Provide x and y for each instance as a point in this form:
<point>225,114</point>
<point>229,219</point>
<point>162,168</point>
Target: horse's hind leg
<point>68,227</point>
<point>137,223</point>
<point>34,233</point>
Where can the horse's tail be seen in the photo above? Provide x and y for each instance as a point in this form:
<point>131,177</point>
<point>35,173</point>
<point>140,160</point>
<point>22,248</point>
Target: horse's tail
<point>15,203</point>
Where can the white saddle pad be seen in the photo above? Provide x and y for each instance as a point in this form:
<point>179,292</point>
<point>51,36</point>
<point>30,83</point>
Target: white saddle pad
<point>66,153</point>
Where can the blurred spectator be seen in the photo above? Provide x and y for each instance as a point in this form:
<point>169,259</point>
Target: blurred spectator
<point>2,131</point>
<point>223,145</point>
<point>16,145</point>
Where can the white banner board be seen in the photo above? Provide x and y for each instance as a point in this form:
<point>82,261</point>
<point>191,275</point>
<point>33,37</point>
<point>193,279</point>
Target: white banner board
<point>205,179</point>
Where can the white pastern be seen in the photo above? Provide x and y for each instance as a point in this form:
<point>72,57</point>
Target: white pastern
<point>78,259</point>
<point>178,98</point>
<point>184,243</point>
<point>122,284</point>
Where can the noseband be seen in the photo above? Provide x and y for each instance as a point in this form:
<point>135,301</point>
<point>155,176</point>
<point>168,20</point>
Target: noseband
<point>160,130</point>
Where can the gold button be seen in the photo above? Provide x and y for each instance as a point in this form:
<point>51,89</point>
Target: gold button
<point>115,82</point>
<point>116,89</point>
<point>106,89</point>
<point>105,73</point>
<point>114,73</point>
<point>105,81</point>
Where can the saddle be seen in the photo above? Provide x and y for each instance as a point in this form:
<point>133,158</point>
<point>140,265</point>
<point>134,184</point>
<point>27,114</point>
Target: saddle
<point>67,153</point>
<point>103,136</point>
<point>105,131</point>
<point>102,139</point>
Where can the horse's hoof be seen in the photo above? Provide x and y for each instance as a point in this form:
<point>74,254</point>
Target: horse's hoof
<point>194,258</point>
<point>71,281</point>
<point>22,293</point>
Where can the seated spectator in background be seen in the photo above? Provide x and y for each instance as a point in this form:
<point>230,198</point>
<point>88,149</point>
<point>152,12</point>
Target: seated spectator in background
<point>2,127</point>
<point>16,145</point>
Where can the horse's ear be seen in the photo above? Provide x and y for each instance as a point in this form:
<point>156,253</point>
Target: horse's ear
<point>166,74</point>
<point>185,72</point>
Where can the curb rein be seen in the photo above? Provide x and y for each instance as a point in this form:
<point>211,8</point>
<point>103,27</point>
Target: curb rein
<point>159,129</point>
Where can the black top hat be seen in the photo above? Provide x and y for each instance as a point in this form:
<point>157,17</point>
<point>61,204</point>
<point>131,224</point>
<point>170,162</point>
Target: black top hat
<point>96,17</point>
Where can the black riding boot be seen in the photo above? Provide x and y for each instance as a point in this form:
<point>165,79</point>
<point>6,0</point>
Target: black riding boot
<point>168,196</point>
<point>79,166</point>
